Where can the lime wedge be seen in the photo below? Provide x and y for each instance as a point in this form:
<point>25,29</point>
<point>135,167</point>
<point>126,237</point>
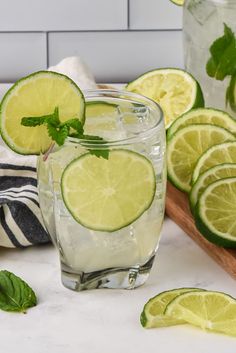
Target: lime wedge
<point>178,2</point>
<point>38,95</point>
<point>225,170</point>
<point>213,311</point>
<point>186,146</point>
<point>215,214</point>
<point>219,154</point>
<point>174,90</point>
<point>203,116</point>
<point>108,194</point>
<point>153,311</point>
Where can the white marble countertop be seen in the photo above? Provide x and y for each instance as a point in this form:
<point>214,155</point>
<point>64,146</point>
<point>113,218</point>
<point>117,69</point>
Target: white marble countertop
<point>108,320</point>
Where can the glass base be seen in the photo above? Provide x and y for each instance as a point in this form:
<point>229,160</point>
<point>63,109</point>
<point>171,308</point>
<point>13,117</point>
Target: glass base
<point>114,278</point>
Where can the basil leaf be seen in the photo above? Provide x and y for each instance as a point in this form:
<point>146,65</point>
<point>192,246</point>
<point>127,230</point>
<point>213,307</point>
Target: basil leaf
<point>15,294</point>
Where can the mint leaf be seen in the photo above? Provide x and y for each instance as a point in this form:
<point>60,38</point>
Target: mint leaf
<point>231,94</point>
<point>59,131</point>
<point>15,294</point>
<point>223,56</point>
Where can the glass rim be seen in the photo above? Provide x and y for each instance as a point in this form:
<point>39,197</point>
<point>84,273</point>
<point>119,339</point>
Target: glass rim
<point>120,94</point>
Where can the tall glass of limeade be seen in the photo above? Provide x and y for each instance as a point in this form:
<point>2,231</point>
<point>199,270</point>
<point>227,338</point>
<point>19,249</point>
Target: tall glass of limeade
<point>103,203</point>
<point>203,24</point>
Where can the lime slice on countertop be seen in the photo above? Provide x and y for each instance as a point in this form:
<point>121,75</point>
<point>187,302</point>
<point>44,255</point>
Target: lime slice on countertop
<point>37,95</point>
<point>153,311</point>
<point>203,116</point>
<point>219,154</point>
<point>174,90</point>
<point>108,194</point>
<point>186,146</point>
<point>215,215</point>
<point>209,310</point>
<point>225,170</point>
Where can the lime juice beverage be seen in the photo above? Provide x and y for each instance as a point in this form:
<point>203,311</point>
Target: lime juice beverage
<point>204,22</point>
<point>103,202</point>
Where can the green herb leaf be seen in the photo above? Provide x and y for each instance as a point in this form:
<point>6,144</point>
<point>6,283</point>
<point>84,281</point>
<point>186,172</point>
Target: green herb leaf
<point>60,131</point>
<point>223,56</point>
<point>231,94</point>
<point>15,294</point>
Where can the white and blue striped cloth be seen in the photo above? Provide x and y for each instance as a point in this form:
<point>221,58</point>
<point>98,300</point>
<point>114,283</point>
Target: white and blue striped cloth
<point>21,222</point>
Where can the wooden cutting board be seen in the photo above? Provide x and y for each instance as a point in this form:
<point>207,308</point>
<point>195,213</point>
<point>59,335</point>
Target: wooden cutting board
<point>177,208</point>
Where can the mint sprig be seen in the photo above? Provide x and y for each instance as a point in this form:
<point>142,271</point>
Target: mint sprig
<point>59,131</point>
<point>222,62</point>
<point>15,294</point>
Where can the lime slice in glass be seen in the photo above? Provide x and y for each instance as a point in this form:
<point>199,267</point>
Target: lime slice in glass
<point>225,170</point>
<point>174,90</point>
<point>213,311</point>
<point>37,95</point>
<point>153,311</point>
<point>203,116</point>
<point>108,194</point>
<point>215,214</point>
<point>186,146</point>
<point>100,116</point>
<point>219,154</point>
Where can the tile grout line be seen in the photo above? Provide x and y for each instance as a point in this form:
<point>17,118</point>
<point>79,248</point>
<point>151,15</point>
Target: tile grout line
<point>128,14</point>
<point>47,49</point>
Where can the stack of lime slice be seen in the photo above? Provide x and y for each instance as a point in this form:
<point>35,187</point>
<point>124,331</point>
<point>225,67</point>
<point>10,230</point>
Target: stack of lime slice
<point>201,157</point>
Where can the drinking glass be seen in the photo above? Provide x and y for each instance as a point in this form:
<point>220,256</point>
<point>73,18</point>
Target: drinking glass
<point>203,23</point>
<point>107,259</point>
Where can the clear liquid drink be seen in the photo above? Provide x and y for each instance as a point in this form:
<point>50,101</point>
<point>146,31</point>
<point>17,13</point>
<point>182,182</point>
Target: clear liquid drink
<point>203,23</point>
<point>115,259</point>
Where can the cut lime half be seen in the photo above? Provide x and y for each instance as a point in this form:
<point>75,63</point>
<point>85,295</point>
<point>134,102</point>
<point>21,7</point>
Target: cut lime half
<point>174,90</point>
<point>225,170</point>
<point>153,311</point>
<point>33,96</point>
<point>213,311</point>
<point>218,154</point>
<point>108,194</point>
<point>186,146</point>
<point>215,214</point>
<point>203,116</point>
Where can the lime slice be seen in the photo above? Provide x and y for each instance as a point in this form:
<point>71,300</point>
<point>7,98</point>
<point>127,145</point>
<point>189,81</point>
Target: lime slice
<point>153,311</point>
<point>215,214</point>
<point>175,90</point>
<point>96,109</point>
<point>219,154</point>
<point>213,311</point>
<point>178,2</point>
<point>186,146</point>
<point>221,171</point>
<point>38,95</point>
<point>203,116</point>
<point>100,116</point>
<point>108,194</point>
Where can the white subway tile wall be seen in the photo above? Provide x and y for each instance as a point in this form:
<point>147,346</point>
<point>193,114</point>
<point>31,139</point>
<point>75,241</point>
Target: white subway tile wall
<point>119,39</point>
<point>118,56</point>
<point>21,54</point>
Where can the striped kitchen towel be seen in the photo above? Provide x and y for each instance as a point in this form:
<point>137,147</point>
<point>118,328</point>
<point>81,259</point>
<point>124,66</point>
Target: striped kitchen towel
<point>21,222</point>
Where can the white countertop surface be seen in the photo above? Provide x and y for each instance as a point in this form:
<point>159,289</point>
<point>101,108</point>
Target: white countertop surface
<point>108,320</point>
